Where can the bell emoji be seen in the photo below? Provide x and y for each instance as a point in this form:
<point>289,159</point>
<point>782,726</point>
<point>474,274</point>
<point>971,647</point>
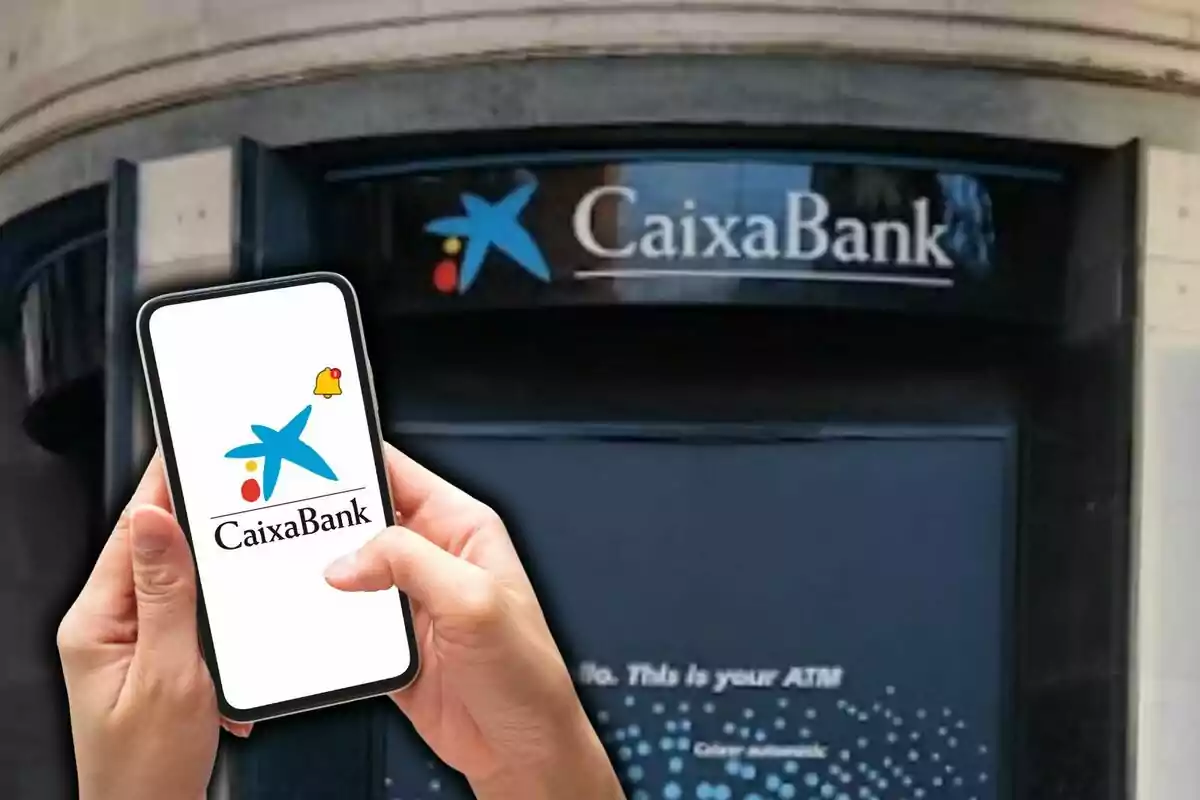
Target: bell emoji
<point>329,382</point>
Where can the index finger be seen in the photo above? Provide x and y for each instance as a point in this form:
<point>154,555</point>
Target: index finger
<point>414,486</point>
<point>448,516</point>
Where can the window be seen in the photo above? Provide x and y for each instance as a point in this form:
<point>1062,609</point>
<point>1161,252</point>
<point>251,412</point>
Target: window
<point>62,314</point>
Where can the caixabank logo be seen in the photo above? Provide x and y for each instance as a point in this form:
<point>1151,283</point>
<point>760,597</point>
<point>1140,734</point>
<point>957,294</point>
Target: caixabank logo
<point>797,234</point>
<point>486,226</point>
<point>285,519</point>
<point>275,447</point>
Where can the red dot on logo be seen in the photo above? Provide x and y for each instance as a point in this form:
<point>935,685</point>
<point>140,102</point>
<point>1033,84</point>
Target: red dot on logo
<point>250,490</point>
<point>335,373</point>
<point>445,276</point>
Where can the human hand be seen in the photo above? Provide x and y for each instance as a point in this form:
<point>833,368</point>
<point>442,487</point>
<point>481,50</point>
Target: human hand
<point>494,699</point>
<point>143,709</point>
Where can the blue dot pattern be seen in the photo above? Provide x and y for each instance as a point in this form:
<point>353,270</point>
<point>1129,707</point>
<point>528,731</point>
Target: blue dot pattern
<point>879,749</point>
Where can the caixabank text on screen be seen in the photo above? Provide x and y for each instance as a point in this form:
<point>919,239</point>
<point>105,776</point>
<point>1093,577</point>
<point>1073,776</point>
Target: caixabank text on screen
<point>231,536</point>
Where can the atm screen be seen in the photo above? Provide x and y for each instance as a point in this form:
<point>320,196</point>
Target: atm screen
<point>816,618</point>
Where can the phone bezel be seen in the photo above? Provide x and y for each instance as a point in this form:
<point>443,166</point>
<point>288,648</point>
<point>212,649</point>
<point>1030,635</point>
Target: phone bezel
<point>162,431</point>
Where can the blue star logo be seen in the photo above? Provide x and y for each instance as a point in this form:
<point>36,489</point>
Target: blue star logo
<point>283,445</point>
<point>486,225</point>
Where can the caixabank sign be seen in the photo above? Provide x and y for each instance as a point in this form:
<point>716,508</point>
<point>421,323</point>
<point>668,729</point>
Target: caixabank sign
<point>807,233</point>
<point>760,228</point>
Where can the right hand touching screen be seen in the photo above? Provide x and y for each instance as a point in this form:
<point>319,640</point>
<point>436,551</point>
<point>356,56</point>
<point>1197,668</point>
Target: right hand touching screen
<point>494,699</point>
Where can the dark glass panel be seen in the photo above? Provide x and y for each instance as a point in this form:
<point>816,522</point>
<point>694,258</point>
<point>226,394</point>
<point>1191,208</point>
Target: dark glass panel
<point>639,228</point>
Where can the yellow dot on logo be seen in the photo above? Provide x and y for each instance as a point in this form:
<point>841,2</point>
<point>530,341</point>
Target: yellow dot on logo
<point>251,466</point>
<point>451,246</point>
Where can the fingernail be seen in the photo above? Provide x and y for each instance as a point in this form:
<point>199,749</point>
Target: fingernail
<point>150,538</point>
<point>234,729</point>
<point>343,569</point>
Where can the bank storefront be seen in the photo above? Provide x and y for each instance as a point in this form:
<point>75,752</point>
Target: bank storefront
<point>792,440</point>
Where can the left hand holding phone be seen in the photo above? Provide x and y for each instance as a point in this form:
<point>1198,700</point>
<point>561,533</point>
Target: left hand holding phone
<point>496,700</point>
<point>143,710</point>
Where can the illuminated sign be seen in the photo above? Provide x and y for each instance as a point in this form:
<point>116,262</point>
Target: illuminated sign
<point>764,229</point>
<point>807,233</point>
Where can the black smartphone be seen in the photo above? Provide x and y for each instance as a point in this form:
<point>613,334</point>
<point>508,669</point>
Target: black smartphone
<point>265,412</point>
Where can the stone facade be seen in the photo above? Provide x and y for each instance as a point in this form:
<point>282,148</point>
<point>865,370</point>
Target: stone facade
<point>70,65</point>
<point>70,68</point>
<point>1167,549</point>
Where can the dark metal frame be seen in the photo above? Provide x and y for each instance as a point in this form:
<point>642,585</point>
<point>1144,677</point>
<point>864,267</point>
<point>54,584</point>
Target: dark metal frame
<point>121,367</point>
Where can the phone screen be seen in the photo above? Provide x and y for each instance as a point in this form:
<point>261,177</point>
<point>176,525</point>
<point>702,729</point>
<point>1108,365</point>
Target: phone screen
<point>267,421</point>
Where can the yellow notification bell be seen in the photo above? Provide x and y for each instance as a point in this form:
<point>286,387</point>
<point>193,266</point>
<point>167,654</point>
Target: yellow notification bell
<point>329,382</point>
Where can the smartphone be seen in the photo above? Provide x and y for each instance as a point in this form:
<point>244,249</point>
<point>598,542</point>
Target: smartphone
<point>265,413</point>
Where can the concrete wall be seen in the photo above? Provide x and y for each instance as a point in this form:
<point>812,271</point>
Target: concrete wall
<point>184,239</point>
<point>70,65</point>
<point>1167,548</point>
<point>768,90</point>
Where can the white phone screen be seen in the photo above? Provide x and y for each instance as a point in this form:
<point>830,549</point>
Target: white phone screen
<point>274,452</point>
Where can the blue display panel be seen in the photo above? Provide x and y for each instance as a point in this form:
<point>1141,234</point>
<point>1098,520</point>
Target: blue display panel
<point>821,619</point>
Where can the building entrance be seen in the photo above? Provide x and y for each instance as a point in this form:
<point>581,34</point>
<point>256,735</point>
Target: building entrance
<point>805,452</point>
<point>774,564</point>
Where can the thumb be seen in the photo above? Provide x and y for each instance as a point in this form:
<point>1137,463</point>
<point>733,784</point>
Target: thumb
<point>450,589</point>
<point>164,585</point>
